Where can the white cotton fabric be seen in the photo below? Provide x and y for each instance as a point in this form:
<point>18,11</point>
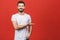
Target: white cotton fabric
<point>21,19</point>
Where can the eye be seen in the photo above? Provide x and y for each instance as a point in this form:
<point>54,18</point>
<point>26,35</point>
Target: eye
<point>22,5</point>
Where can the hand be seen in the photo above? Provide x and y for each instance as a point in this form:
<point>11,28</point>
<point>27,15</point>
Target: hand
<point>30,24</point>
<point>26,24</point>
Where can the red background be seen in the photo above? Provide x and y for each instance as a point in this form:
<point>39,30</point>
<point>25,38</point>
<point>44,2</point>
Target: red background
<point>45,14</point>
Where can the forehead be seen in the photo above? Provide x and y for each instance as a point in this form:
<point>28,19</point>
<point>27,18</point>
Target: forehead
<point>20,4</point>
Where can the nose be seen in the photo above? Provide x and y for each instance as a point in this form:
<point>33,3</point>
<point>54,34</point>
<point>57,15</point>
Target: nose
<point>20,7</point>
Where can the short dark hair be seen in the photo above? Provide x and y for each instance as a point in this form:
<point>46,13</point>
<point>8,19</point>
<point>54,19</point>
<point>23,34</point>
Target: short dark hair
<point>20,2</point>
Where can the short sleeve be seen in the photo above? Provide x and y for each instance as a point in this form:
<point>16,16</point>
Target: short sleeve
<point>29,19</point>
<point>13,18</point>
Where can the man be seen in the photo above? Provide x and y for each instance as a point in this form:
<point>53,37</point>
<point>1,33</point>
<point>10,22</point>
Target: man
<point>21,23</point>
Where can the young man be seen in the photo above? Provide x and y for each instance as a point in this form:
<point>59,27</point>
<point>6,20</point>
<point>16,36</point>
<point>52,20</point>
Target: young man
<point>21,23</point>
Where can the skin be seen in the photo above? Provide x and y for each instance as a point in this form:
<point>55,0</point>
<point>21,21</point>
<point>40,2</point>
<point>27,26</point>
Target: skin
<point>18,27</point>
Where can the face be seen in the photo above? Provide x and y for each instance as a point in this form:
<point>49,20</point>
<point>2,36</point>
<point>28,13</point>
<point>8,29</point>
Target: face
<point>21,7</point>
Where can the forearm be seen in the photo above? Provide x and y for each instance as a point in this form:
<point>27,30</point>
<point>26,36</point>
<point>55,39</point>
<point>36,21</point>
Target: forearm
<point>30,30</point>
<point>20,27</point>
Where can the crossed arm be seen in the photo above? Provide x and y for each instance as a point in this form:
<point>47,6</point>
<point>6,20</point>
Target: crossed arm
<point>17,27</point>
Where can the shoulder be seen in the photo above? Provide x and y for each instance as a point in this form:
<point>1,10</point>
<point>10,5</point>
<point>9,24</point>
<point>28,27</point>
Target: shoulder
<point>14,15</point>
<point>27,14</point>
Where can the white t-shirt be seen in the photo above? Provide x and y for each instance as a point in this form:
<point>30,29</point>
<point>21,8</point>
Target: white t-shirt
<point>21,19</point>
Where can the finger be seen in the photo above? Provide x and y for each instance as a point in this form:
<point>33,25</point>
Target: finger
<point>32,23</point>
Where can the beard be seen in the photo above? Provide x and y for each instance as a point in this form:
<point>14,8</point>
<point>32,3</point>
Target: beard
<point>21,10</point>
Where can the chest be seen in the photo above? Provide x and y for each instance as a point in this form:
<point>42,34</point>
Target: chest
<point>22,19</point>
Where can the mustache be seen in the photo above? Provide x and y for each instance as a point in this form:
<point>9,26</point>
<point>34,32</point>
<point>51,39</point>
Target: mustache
<point>20,8</point>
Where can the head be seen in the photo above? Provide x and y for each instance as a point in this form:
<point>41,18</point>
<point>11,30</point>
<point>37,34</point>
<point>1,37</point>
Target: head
<point>21,6</point>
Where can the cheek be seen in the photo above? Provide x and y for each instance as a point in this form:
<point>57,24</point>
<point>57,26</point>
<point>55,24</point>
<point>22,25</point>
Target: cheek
<point>23,7</point>
<point>18,7</point>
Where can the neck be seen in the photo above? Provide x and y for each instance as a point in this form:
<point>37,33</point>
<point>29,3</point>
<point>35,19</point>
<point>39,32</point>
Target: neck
<point>21,13</point>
